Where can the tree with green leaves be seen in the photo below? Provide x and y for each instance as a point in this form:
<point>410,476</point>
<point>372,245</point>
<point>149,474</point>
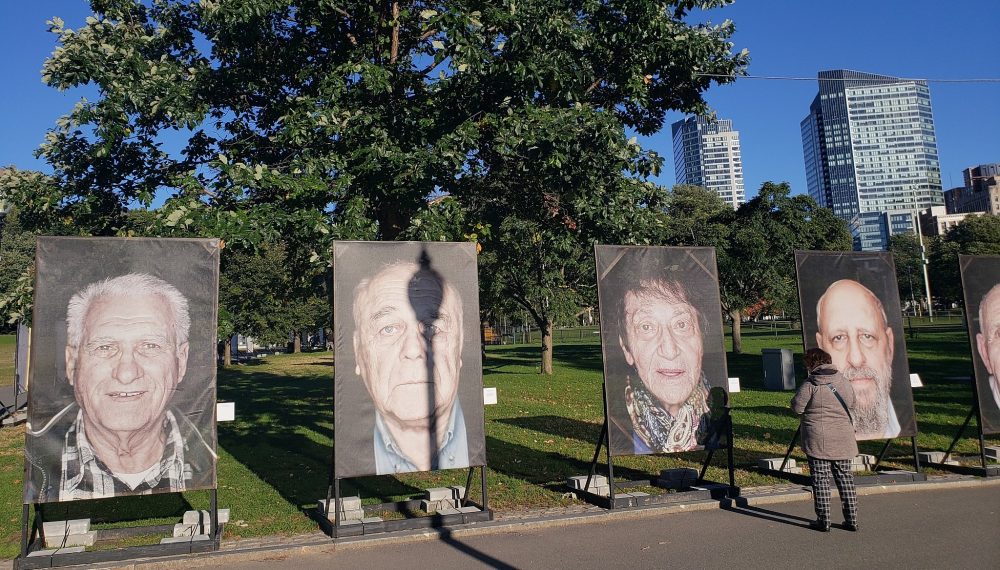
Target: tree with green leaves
<point>757,262</point>
<point>17,255</point>
<point>309,120</point>
<point>906,252</point>
<point>975,235</point>
<point>693,215</point>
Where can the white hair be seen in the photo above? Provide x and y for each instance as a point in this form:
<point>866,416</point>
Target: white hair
<point>130,285</point>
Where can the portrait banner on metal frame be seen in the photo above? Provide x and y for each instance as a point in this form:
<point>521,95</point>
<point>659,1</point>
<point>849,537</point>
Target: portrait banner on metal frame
<point>408,386</point>
<point>850,308</point>
<point>123,368</point>
<point>662,339</point>
<point>981,285</point>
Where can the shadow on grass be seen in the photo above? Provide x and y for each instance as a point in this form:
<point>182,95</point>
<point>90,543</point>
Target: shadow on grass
<point>559,426</point>
<point>547,469</point>
<point>120,509</point>
<point>283,434</point>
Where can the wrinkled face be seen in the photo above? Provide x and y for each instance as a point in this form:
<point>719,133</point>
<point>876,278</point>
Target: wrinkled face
<point>408,345</point>
<point>988,339</point>
<point>128,363</point>
<point>854,332</point>
<point>663,342</point>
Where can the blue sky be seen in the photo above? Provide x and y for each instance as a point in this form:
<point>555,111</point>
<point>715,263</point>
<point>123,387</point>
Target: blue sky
<point>797,38</point>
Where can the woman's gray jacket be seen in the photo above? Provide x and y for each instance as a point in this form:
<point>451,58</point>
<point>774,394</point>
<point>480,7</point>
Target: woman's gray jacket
<point>827,431</point>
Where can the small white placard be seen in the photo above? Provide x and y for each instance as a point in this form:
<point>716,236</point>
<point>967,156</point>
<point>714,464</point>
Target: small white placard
<point>734,385</point>
<point>225,411</point>
<point>489,396</point>
<point>915,381</point>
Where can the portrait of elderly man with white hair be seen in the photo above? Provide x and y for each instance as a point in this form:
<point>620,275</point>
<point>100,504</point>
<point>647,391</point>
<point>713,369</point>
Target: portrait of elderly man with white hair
<point>126,354</point>
<point>408,375</point>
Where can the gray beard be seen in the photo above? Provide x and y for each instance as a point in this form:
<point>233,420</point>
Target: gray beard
<point>871,416</point>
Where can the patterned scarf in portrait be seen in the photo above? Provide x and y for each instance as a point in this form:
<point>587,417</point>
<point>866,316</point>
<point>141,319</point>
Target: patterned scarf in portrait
<point>660,431</point>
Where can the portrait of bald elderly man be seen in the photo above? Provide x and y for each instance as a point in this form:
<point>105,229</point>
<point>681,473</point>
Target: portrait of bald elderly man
<point>407,342</point>
<point>126,354</point>
<point>852,326</point>
<point>988,346</point>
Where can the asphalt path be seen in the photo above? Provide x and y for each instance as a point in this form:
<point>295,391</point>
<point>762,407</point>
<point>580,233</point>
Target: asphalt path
<point>948,528</point>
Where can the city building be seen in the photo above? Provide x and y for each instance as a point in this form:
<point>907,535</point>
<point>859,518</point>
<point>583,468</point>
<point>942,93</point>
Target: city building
<point>707,153</point>
<point>981,192</point>
<point>936,220</point>
<point>871,154</point>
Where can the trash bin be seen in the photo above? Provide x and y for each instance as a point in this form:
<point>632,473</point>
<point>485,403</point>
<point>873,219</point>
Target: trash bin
<point>779,370</point>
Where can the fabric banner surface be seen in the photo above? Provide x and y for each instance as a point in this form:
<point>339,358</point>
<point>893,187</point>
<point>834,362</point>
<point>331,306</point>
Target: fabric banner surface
<point>21,358</point>
<point>981,283</point>
<point>408,386</point>
<point>662,338</point>
<point>122,368</point>
<point>850,308</point>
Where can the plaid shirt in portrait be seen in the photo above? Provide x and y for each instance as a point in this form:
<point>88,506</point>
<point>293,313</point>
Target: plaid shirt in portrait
<point>84,476</point>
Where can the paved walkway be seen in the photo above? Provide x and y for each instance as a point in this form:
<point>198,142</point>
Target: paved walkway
<point>948,521</point>
<point>944,528</point>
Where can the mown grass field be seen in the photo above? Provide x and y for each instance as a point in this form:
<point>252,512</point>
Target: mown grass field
<point>274,459</point>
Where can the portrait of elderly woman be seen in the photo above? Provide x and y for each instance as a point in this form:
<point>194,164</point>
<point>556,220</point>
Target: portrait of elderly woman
<point>661,331</point>
<point>128,427</point>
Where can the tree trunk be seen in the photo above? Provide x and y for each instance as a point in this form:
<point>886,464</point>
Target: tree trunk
<point>737,338</point>
<point>547,347</point>
<point>227,352</point>
<point>296,343</point>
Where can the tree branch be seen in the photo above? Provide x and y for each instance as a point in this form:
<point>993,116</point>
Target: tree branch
<point>394,50</point>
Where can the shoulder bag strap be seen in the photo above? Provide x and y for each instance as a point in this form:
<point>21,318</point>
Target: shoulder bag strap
<point>842,402</point>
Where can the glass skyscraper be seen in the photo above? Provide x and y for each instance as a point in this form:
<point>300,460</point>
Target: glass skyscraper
<point>707,153</point>
<point>870,152</point>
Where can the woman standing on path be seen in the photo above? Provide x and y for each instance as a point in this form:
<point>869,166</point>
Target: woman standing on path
<point>824,401</point>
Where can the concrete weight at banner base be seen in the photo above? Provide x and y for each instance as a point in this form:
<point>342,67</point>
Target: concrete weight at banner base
<point>123,374</point>
<point>850,308</point>
<point>408,380</point>
<point>661,335</point>
<point>981,285</point>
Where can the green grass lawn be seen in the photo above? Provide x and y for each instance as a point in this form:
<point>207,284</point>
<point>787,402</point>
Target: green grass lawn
<point>274,459</point>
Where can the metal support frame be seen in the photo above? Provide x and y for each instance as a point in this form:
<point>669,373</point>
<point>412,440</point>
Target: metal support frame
<point>984,470</point>
<point>33,539</point>
<point>604,440</point>
<point>780,472</point>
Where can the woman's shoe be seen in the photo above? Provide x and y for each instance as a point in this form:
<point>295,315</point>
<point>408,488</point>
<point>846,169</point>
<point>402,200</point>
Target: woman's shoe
<point>820,526</point>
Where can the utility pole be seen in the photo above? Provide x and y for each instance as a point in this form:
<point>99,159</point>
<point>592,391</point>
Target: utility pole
<point>923,264</point>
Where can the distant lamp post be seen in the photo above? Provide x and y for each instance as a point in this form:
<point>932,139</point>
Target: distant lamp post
<point>923,263</point>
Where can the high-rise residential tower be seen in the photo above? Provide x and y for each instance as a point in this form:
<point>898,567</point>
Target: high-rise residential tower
<point>870,152</point>
<point>707,153</point>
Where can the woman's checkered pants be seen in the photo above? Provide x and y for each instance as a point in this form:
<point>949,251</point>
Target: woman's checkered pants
<point>840,470</point>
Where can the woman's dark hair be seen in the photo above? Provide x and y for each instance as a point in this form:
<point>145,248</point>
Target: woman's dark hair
<point>816,357</point>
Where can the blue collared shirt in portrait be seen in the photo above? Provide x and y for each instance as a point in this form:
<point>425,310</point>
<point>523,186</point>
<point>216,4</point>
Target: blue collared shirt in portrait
<point>454,452</point>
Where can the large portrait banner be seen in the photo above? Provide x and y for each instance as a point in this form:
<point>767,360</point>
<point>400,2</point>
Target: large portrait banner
<point>981,283</point>
<point>408,386</point>
<point>123,368</point>
<point>662,339</point>
<point>850,308</point>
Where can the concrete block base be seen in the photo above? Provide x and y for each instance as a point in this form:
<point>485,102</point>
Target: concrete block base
<point>60,540</point>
